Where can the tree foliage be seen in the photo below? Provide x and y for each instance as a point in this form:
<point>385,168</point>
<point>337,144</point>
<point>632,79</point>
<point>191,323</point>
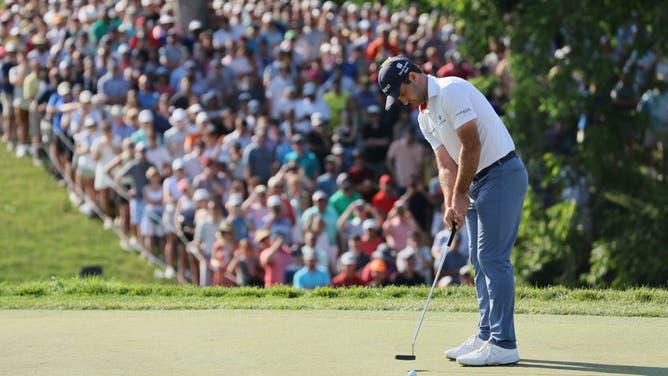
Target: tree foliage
<point>566,59</point>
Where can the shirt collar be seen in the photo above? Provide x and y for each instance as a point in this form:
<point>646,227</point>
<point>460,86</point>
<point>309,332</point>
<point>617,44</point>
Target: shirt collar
<point>432,91</point>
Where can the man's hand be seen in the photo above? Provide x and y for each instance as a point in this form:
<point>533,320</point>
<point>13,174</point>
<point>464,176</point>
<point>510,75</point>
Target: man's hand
<point>457,212</point>
<point>460,203</point>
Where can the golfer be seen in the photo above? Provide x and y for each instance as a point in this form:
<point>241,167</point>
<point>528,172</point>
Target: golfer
<point>483,183</point>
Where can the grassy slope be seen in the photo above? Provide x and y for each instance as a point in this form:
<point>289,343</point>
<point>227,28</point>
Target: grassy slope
<point>103,294</point>
<point>42,235</point>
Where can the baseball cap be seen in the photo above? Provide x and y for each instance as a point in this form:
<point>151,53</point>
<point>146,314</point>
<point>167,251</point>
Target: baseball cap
<point>177,164</point>
<point>89,122</point>
<point>348,258</point>
<point>342,180</point>
<point>178,116</point>
<point>273,201</point>
<point>319,195</point>
<point>141,146</point>
<point>201,194</point>
<point>235,199</point>
<point>378,266</point>
<point>392,73</point>
<point>202,117</point>
<point>85,96</point>
<point>194,109</point>
<point>63,88</point>
<point>369,224</point>
<point>145,116</point>
<point>308,253</point>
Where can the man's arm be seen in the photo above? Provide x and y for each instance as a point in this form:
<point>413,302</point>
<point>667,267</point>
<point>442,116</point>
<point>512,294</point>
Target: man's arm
<point>469,157</point>
<point>447,175</point>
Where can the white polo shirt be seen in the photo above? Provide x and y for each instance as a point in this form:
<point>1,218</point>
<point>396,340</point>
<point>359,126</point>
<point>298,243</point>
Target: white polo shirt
<point>452,103</point>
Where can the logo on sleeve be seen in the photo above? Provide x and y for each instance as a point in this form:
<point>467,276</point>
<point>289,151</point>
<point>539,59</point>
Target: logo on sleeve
<point>463,112</point>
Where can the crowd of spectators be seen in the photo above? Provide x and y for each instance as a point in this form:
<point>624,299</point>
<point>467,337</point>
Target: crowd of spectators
<point>252,149</point>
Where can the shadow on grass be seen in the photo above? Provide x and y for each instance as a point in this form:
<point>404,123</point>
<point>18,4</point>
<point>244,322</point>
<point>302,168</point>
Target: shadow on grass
<point>591,367</point>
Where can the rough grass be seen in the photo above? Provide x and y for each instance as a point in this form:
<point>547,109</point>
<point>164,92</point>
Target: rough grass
<point>42,235</point>
<point>110,294</point>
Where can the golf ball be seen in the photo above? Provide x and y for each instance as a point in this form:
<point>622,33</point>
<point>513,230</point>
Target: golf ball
<point>412,373</point>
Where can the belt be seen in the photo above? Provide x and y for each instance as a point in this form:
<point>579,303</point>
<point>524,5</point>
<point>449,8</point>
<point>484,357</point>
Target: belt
<point>498,162</point>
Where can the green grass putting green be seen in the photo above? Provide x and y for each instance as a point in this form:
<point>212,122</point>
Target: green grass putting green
<point>44,236</point>
<point>113,295</point>
<point>282,343</point>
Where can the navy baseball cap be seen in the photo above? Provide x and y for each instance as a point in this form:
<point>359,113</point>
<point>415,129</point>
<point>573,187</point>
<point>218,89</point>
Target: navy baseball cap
<point>392,73</point>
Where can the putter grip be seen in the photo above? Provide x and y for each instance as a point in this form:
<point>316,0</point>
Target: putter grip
<point>452,234</point>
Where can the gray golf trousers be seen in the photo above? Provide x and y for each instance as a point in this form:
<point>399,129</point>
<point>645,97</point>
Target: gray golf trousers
<point>493,220</point>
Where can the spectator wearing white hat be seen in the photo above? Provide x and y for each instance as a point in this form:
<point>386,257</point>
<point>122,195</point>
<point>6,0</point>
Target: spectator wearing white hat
<point>145,120</point>
<point>407,275</point>
<point>104,149</point>
<point>237,218</point>
<point>275,221</point>
<point>151,227</point>
<point>310,276</point>
<point>171,194</point>
<point>258,158</point>
<point>119,127</point>
<point>318,139</point>
<point>371,238</point>
<point>321,209</point>
<point>136,171</point>
<point>175,137</point>
<point>84,110</point>
<point>344,196</point>
<point>112,85</point>
<point>348,276</point>
<point>7,95</point>
<point>309,105</point>
<point>207,222</point>
<point>85,164</point>
<point>276,86</point>
<point>157,154</point>
<point>17,76</point>
<point>350,222</point>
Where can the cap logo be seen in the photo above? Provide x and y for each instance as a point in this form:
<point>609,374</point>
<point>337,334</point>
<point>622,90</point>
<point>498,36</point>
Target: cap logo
<point>399,66</point>
<point>387,88</point>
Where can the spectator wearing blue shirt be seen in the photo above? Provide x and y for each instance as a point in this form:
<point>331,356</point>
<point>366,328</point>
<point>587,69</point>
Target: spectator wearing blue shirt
<point>119,128</point>
<point>305,158</point>
<point>320,208</point>
<point>310,276</point>
<point>146,96</point>
<point>113,85</point>
<point>327,181</point>
<point>276,223</point>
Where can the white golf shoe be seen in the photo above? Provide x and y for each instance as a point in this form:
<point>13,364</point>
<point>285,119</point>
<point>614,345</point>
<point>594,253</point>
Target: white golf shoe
<point>473,343</point>
<point>489,355</point>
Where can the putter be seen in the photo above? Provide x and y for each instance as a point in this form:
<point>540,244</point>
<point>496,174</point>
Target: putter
<point>417,330</point>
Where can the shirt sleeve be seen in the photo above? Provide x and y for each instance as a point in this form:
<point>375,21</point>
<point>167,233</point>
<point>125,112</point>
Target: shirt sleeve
<point>458,105</point>
<point>428,132</point>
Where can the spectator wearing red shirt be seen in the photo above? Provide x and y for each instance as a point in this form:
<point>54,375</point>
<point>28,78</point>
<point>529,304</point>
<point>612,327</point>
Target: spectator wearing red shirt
<point>275,258</point>
<point>371,237</point>
<point>384,199</point>
<point>382,47</point>
<point>361,176</point>
<point>347,277</point>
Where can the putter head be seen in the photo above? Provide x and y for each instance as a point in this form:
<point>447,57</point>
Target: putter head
<point>404,357</point>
